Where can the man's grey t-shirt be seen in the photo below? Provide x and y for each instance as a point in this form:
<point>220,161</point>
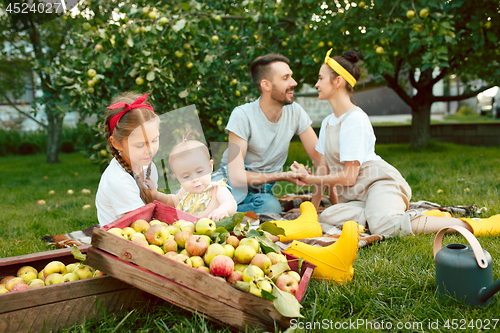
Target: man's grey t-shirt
<point>268,142</point>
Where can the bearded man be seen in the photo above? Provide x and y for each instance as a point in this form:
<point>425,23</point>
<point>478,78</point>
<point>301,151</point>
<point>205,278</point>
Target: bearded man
<point>259,136</point>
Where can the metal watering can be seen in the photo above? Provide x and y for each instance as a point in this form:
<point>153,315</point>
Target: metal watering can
<point>464,271</point>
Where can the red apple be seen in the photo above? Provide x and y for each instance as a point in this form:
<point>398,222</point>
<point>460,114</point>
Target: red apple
<point>235,276</point>
<point>233,240</point>
<point>287,283</point>
<point>19,287</point>
<point>13,282</point>
<point>6,279</point>
<point>262,261</point>
<point>157,234</point>
<point>196,245</point>
<point>213,250</point>
<point>182,237</point>
<point>170,245</point>
<point>221,265</point>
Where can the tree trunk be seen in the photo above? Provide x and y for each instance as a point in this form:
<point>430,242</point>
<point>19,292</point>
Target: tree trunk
<point>420,125</point>
<point>54,131</point>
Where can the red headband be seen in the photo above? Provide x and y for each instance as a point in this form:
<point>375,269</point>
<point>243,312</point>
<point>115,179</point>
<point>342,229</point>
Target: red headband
<point>135,105</point>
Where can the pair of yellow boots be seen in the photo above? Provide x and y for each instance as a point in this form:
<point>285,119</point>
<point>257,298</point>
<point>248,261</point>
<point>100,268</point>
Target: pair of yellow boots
<point>480,227</point>
<point>333,262</point>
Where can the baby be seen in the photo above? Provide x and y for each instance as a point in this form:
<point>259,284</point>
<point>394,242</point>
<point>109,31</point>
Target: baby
<point>191,165</point>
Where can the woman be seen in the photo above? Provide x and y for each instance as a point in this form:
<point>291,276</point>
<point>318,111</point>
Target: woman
<point>369,190</point>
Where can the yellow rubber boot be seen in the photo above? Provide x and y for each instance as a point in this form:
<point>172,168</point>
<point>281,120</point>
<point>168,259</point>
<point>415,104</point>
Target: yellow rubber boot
<point>436,212</point>
<point>305,226</point>
<point>484,227</point>
<point>333,261</point>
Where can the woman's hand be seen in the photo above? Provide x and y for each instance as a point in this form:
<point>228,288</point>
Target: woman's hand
<point>299,173</point>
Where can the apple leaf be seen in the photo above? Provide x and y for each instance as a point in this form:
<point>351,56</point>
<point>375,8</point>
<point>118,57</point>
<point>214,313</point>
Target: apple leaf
<point>242,285</point>
<point>237,230</point>
<point>253,233</point>
<point>251,273</point>
<point>230,222</point>
<point>179,25</point>
<point>267,295</point>
<point>286,303</point>
<point>272,228</point>
<point>267,245</point>
<point>151,75</point>
<point>220,235</point>
<point>184,94</point>
<point>278,269</point>
<point>78,254</point>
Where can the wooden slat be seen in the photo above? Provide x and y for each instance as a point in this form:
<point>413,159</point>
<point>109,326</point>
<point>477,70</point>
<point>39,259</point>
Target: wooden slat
<point>217,309</point>
<point>182,274</point>
<point>60,292</point>
<point>10,265</point>
<point>69,312</point>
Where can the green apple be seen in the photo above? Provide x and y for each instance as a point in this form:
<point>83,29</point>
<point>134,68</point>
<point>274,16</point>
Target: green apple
<point>139,81</point>
<point>178,54</point>
<point>156,248</point>
<point>203,269</point>
<point>379,50</point>
<point>213,250</point>
<point>252,242</point>
<point>294,274</point>
<point>140,225</point>
<point>163,20</point>
<point>68,277</point>
<point>152,15</point>
<point>71,267</point>
<point>229,250</point>
<point>86,26</point>
<point>172,230</point>
<point>54,267</point>
<point>207,238</point>
<point>128,231</point>
<point>98,47</point>
<point>54,278</point>
<point>26,269</point>
<point>205,226</point>
<point>197,261</point>
<point>28,276</point>
<point>117,231</point>
<point>252,273</point>
<point>244,253</point>
<point>36,283</point>
<point>136,235</point>
<point>84,271</point>
<point>153,222</point>
<point>254,289</point>
<point>424,12</point>
<point>240,267</point>
<point>215,38</point>
<point>321,44</point>
<point>410,14</point>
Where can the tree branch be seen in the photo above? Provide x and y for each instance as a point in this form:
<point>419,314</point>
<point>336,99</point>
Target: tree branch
<point>441,75</point>
<point>4,96</point>
<point>463,96</point>
<point>411,76</point>
<point>393,83</point>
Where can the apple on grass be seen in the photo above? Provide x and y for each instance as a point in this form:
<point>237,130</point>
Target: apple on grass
<point>54,267</point>
<point>221,265</point>
<point>205,226</point>
<point>262,261</point>
<point>244,253</point>
<point>287,283</point>
<point>196,245</point>
<point>140,225</point>
<point>157,234</point>
<point>213,250</point>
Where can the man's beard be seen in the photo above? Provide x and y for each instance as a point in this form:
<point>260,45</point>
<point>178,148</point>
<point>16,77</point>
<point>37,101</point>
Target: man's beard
<point>281,97</point>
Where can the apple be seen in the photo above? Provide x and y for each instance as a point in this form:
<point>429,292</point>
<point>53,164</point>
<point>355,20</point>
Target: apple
<point>19,287</point>
<point>410,14</point>
<point>207,238</point>
<point>287,283</point>
<point>68,277</point>
<point>203,269</point>
<point>252,272</point>
<point>98,47</point>
<point>218,18</point>
<point>85,207</point>
<point>170,245</point>
<point>52,192</point>
<point>233,240</point>
<point>54,278</point>
<point>141,242</point>
<point>197,261</point>
<point>28,276</point>
<point>221,265</point>
<point>196,245</point>
<point>178,54</point>
<point>6,279</point>
<point>487,25</point>
<point>265,285</point>
<point>215,38</point>
<point>379,50</point>
<point>13,282</point>
<point>54,267</point>
<point>189,65</point>
<point>244,254</point>
<point>213,250</point>
<point>229,251</point>
<point>182,237</point>
<point>205,226</point>
<point>117,231</point>
<point>262,261</point>
<point>294,274</point>
<point>235,276</point>
<point>321,44</point>
<point>136,235</point>
<point>172,229</point>
<point>70,191</point>
<point>26,269</point>
<point>86,26</point>
<point>250,241</point>
<point>362,4</point>
<point>156,248</point>
<point>185,252</point>
<point>71,267</point>
<point>90,84</point>
<point>128,231</point>
<point>163,20</point>
<point>3,290</point>
<point>40,275</point>
<point>91,72</point>
<point>171,254</point>
<point>140,225</point>
<point>98,273</point>
<point>183,259</point>
<point>157,234</point>
<point>139,81</point>
<point>188,226</point>
<point>153,222</point>
<point>152,15</point>
<point>254,289</point>
<point>36,283</point>
<point>240,267</point>
<point>40,202</point>
<point>84,271</point>
<point>424,12</point>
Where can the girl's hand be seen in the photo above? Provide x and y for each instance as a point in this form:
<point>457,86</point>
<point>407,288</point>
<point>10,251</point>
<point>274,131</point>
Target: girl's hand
<point>218,214</point>
<point>151,185</point>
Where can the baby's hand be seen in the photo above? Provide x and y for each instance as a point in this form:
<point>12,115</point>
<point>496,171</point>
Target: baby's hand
<point>151,185</point>
<point>218,214</point>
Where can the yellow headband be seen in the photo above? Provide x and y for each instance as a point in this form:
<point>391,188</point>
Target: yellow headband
<point>339,69</point>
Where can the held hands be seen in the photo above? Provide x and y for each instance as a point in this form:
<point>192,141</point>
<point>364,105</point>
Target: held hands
<point>299,173</point>
<point>218,214</point>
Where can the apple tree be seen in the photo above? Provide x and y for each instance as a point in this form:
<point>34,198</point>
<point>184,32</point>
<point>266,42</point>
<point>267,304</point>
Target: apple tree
<point>417,42</point>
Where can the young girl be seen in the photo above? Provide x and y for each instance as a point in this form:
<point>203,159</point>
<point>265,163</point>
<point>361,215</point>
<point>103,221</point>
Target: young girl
<point>132,132</point>
<point>370,190</point>
<point>191,164</point>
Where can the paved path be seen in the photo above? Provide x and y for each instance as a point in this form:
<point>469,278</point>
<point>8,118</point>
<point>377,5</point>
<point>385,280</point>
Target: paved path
<point>399,118</point>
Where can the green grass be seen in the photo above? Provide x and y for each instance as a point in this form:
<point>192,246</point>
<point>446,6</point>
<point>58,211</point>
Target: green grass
<point>394,280</point>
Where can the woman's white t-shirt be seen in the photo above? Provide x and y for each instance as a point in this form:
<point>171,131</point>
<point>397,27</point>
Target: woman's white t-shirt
<point>118,192</point>
<point>356,138</point>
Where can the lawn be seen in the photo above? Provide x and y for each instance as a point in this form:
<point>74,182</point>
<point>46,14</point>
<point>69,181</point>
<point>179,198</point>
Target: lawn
<point>394,281</point>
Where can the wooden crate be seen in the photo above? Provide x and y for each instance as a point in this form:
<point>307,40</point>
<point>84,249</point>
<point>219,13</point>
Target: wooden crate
<point>179,284</point>
<point>61,305</point>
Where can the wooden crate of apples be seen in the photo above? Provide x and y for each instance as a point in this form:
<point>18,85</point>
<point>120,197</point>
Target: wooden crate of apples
<point>238,278</point>
<point>52,289</point>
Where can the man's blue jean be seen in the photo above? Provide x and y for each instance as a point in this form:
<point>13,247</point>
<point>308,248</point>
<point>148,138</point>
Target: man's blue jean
<point>259,199</point>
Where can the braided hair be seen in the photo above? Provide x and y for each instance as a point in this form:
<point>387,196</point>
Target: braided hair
<point>127,123</point>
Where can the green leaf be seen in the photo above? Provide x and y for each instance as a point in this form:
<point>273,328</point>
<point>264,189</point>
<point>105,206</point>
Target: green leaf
<point>278,269</point>
<point>179,25</point>
<point>184,94</point>
<point>107,63</point>
<point>267,295</point>
<point>243,285</point>
<point>491,37</point>
<point>185,6</point>
<point>151,75</point>
<point>267,245</point>
<point>272,228</point>
<point>286,303</point>
<point>230,222</point>
<point>78,254</point>
<point>130,41</point>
